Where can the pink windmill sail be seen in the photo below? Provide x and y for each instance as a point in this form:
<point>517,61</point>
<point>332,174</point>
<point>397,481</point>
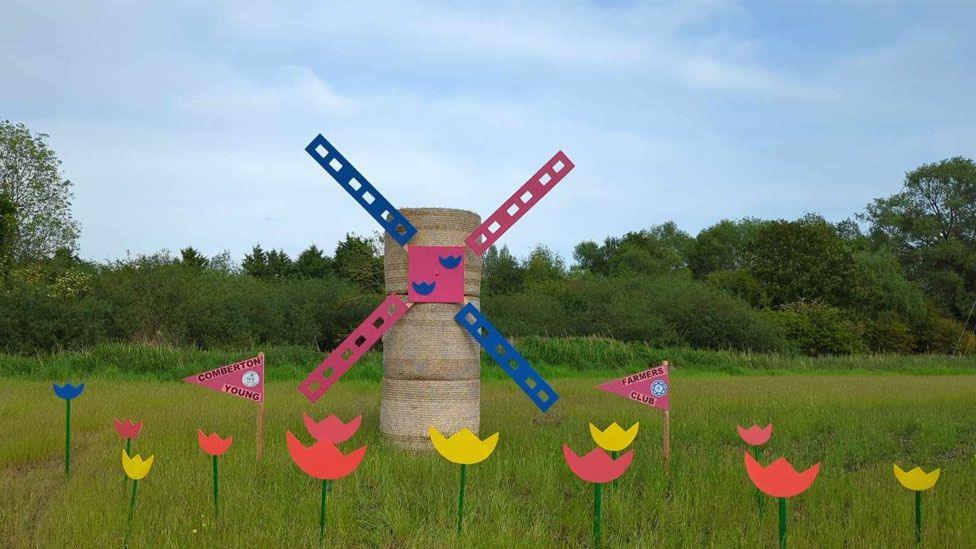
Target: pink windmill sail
<point>650,387</point>
<point>244,379</point>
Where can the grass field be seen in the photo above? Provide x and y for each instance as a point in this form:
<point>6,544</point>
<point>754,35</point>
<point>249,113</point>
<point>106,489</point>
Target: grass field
<point>524,495</point>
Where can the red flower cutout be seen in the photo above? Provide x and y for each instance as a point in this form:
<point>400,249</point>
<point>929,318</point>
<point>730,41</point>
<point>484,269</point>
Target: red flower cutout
<point>780,479</point>
<point>127,429</point>
<point>323,460</point>
<point>597,466</point>
<point>213,444</point>
<point>332,428</point>
<point>756,435</point>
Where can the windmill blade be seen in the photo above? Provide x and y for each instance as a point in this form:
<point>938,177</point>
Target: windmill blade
<point>519,203</point>
<point>353,347</point>
<point>362,190</point>
<point>514,364</point>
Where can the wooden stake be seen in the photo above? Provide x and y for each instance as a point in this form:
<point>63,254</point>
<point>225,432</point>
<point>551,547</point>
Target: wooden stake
<point>666,430</point>
<point>259,439</point>
<point>666,441</point>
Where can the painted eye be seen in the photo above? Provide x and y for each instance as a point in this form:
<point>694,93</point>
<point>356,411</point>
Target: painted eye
<point>423,288</point>
<point>450,262</point>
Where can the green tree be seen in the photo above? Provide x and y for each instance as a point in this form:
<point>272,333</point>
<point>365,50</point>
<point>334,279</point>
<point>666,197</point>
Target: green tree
<point>661,249</point>
<point>313,263</point>
<point>931,226</point>
<point>658,250</point>
<point>192,258</point>
<point>802,261</point>
<point>722,247</point>
<point>30,175</point>
<point>256,263</point>
<point>280,266</point>
<point>593,258</point>
<point>357,259</point>
<point>543,265</point>
<point>502,273</point>
<point>8,224</point>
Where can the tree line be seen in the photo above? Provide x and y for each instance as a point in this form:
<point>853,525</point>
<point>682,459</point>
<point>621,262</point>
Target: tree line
<point>899,277</point>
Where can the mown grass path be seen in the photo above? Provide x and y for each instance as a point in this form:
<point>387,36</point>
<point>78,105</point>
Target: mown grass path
<point>524,495</point>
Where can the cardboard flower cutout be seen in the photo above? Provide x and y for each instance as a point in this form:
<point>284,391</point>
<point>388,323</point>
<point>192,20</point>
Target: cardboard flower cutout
<point>67,392</point>
<point>614,438</point>
<point>463,448</point>
<point>135,468</point>
<point>127,429</point>
<point>755,435</point>
<point>780,480</point>
<point>215,446</point>
<point>324,461</point>
<point>332,428</point>
<point>597,467</point>
<point>212,444</point>
<point>918,481</point>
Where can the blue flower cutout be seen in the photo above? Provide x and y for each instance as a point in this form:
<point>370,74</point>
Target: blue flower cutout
<point>68,391</point>
<point>423,288</point>
<point>450,262</point>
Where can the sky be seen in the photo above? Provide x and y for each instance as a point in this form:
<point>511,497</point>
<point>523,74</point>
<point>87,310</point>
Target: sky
<point>185,124</point>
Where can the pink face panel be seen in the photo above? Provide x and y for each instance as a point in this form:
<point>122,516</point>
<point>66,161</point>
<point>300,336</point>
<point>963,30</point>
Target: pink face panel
<point>435,274</point>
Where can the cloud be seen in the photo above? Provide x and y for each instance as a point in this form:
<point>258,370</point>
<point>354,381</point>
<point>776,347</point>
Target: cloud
<point>225,92</point>
<point>186,124</point>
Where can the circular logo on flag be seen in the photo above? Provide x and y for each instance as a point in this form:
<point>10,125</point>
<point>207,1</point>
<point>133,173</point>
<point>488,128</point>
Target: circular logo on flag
<point>659,388</point>
<point>250,379</point>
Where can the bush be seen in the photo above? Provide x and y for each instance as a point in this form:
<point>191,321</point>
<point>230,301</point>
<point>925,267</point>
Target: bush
<point>740,284</point>
<point>945,336</point>
<point>888,334</point>
<point>35,320</point>
<point>665,311</point>
<point>820,330</point>
<point>161,303</point>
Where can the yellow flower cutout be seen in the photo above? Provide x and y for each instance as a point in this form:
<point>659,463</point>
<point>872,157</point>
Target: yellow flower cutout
<point>917,479</point>
<point>614,438</point>
<point>464,447</point>
<point>135,467</point>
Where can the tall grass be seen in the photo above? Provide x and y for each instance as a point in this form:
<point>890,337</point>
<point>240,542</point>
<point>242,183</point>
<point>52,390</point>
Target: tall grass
<point>560,357</point>
<point>523,495</point>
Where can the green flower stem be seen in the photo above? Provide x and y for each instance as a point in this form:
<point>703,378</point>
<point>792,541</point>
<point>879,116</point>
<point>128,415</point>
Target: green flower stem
<point>67,438</point>
<point>918,517</point>
<point>613,454</point>
<point>597,508</point>
<point>760,501</point>
<point>132,506</point>
<point>464,470</point>
<point>216,493</point>
<point>326,485</point>
<point>782,523</point>
<point>128,452</point>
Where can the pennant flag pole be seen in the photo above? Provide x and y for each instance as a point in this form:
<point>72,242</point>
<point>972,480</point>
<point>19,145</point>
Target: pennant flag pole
<point>259,438</point>
<point>650,387</point>
<point>244,379</point>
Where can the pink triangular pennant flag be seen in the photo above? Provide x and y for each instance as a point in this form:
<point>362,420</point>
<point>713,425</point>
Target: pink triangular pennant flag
<point>650,387</point>
<point>244,379</point>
